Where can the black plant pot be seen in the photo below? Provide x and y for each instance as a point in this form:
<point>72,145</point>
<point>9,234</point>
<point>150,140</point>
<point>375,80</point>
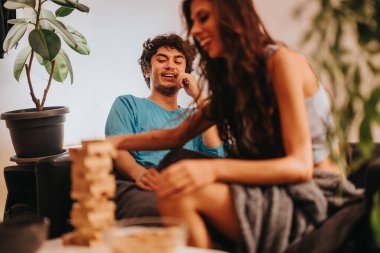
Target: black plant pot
<point>36,134</point>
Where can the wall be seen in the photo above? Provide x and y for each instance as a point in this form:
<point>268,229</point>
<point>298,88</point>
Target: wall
<point>115,31</point>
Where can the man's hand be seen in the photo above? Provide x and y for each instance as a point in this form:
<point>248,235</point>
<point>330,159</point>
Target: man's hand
<point>148,180</point>
<point>188,82</point>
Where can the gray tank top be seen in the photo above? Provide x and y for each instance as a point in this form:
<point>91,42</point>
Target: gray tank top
<point>319,116</point>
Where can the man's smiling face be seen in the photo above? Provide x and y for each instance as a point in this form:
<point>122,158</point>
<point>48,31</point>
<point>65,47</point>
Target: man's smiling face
<point>166,64</point>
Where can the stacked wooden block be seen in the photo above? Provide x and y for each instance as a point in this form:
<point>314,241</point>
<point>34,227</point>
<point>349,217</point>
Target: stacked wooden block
<point>92,187</point>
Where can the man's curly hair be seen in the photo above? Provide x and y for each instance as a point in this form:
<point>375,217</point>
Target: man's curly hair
<point>171,40</point>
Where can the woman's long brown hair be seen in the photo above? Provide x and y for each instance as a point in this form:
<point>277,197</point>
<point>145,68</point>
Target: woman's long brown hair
<point>243,103</point>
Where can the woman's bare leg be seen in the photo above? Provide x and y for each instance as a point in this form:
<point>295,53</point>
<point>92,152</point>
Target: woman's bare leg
<point>214,203</point>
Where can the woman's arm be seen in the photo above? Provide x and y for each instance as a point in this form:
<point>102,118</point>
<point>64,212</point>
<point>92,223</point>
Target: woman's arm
<point>165,138</point>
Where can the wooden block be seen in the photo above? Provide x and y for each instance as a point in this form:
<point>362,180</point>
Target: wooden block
<point>96,219</point>
<point>102,187</point>
<point>99,148</point>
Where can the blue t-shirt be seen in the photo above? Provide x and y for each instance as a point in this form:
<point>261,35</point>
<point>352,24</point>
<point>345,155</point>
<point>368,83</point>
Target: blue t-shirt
<point>131,115</point>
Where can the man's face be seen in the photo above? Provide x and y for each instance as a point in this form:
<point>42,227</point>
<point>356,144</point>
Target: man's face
<point>166,65</point>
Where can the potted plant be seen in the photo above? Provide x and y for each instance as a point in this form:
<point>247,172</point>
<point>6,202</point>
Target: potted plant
<point>38,132</point>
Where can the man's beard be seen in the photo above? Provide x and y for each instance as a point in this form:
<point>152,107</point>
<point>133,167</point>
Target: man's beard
<point>166,91</point>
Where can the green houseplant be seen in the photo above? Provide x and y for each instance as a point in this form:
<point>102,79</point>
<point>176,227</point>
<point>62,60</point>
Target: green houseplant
<point>345,46</point>
<point>38,131</point>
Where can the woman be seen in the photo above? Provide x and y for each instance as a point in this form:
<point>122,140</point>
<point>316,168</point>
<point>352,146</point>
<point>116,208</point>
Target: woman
<point>272,114</point>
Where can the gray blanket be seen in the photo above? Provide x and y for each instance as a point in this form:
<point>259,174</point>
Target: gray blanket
<point>271,217</point>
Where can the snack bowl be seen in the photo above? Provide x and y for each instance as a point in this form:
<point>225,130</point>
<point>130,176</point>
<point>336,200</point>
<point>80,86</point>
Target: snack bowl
<point>23,234</point>
<point>147,235</point>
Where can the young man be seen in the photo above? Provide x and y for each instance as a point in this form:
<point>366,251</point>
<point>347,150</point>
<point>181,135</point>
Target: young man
<point>166,63</point>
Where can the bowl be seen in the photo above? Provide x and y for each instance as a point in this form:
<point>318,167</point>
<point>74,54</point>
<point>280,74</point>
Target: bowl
<point>23,234</point>
<point>147,235</point>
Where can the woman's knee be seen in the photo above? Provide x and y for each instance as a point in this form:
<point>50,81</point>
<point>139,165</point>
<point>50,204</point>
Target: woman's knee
<point>167,205</point>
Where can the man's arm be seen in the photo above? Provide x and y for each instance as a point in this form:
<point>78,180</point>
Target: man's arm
<point>210,137</point>
<point>120,121</point>
<point>146,179</point>
<point>127,165</point>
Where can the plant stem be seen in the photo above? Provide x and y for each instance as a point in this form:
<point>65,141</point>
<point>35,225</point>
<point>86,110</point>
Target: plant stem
<point>38,13</point>
<point>48,85</point>
<point>29,66</point>
<point>35,100</point>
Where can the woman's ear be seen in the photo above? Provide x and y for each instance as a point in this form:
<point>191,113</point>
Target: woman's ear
<point>147,73</point>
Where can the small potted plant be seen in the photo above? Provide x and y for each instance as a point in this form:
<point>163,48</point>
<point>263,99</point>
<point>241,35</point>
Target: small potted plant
<point>38,132</point>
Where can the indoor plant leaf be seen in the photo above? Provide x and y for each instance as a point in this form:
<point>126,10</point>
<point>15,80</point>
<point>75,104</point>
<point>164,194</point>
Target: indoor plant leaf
<point>365,136</point>
<point>60,69</point>
<point>72,4</point>
<point>45,42</point>
<point>20,61</point>
<point>39,58</point>
<point>68,63</point>
<point>62,3</point>
<point>375,218</point>
<point>14,35</point>
<point>81,42</point>
<point>16,4</point>
<point>19,20</point>
<point>78,6</point>
<point>44,16</point>
<point>62,30</point>
<point>63,11</point>
<point>77,33</point>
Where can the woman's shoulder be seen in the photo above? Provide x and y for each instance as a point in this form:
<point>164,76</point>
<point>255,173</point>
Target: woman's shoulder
<point>285,59</point>
<point>284,55</point>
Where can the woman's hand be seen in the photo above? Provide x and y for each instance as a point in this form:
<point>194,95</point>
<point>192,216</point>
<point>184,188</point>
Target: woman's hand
<point>148,180</point>
<point>185,177</point>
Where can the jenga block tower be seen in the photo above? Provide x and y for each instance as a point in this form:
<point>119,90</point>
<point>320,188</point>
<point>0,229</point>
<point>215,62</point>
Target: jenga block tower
<point>92,186</point>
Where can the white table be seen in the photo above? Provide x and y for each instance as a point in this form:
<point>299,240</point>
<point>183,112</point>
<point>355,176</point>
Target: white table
<point>56,246</point>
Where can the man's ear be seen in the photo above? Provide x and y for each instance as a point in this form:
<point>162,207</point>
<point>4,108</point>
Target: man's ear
<point>146,73</point>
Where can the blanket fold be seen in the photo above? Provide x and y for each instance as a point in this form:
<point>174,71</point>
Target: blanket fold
<point>271,217</point>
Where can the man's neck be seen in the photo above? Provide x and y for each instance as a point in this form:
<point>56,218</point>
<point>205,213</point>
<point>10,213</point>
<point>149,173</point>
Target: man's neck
<point>169,102</point>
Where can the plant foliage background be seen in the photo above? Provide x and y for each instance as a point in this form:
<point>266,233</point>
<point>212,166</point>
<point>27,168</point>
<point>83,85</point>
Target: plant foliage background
<point>48,29</point>
<point>344,38</point>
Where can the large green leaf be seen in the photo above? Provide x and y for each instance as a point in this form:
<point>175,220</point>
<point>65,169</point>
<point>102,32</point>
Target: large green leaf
<point>20,61</point>
<point>365,136</point>
<point>20,20</point>
<point>14,35</point>
<point>78,6</point>
<point>44,16</point>
<point>72,4</point>
<point>62,30</point>
<point>60,69</point>
<point>46,43</point>
<point>375,218</point>
<point>39,58</point>
<point>68,63</point>
<point>63,11</point>
<point>62,3</point>
<point>73,31</point>
<point>17,4</point>
<point>80,40</point>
